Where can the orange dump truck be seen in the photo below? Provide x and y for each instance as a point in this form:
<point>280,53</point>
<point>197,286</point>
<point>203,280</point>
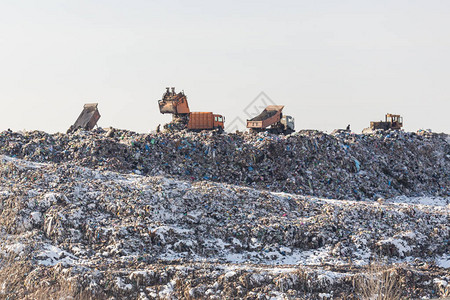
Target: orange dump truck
<point>205,120</point>
<point>272,120</point>
<point>182,118</point>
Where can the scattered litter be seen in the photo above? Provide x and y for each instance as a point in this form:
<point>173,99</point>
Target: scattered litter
<point>227,216</point>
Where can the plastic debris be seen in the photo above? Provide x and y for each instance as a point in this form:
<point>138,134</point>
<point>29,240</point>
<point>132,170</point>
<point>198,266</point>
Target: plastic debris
<point>221,216</point>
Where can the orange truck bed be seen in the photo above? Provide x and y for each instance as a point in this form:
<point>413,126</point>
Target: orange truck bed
<point>173,103</point>
<point>204,120</point>
<point>270,115</point>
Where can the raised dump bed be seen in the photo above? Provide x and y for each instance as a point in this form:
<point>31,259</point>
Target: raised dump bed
<point>87,119</point>
<point>270,115</point>
<point>173,103</point>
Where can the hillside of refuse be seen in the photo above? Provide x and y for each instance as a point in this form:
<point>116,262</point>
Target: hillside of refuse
<point>69,230</point>
<point>345,165</point>
<point>112,214</point>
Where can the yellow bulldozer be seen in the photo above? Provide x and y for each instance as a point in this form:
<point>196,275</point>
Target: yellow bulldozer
<point>391,121</point>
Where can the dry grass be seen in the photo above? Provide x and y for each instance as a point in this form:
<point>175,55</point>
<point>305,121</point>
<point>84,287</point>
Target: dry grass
<point>379,283</point>
<point>12,278</point>
<point>444,291</point>
<point>19,280</point>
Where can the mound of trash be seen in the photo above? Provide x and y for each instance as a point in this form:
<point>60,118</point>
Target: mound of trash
<point>92,232</point>
<point>344,165</point>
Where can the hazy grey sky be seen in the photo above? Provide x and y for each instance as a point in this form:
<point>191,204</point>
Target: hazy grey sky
<point>330,63</point>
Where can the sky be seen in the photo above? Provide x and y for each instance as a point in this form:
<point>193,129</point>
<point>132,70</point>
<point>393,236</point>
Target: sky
<point>331,63</point>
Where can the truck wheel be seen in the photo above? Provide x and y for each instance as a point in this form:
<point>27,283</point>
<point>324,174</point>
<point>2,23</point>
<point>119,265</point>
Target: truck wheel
<point>289,131</point>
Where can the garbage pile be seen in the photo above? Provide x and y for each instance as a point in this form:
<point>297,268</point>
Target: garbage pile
<point>382,164</point>
<point>215,281</point>
<point>108,233</point>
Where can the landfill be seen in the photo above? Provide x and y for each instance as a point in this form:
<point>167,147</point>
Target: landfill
<point>340,166</point>
<point>112,214</point>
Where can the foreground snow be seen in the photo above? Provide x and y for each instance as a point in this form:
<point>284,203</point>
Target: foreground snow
<point>82,219</point>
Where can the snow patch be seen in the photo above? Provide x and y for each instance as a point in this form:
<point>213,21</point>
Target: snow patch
<point>443,261</point>
<point>431,201</point>
<point>16,248</point>
<point>122,286</point>
<point>52,255</point>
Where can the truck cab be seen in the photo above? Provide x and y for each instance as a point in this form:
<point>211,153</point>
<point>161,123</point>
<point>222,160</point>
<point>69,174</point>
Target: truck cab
<point>395,121</point>
<point>288,122</point>
<point>219,121</point>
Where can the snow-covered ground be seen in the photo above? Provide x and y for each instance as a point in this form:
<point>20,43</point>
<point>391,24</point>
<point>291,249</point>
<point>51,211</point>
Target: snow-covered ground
<point>74,217</point>
<point>432,201</point>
